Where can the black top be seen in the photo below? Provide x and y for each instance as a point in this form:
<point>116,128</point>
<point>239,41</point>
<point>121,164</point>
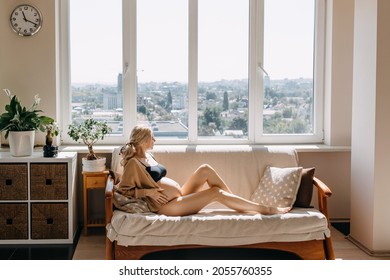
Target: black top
<point>156,171</point>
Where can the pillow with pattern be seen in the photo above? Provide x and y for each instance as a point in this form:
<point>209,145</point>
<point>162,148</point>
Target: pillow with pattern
<point>278,187</point>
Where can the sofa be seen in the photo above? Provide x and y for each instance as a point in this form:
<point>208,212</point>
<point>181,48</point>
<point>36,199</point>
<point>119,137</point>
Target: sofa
<point>304,231</point>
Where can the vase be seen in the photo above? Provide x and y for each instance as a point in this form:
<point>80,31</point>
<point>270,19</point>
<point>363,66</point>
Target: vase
<point>95,165</point>
<point>49,138</point>
<point>21,143</point>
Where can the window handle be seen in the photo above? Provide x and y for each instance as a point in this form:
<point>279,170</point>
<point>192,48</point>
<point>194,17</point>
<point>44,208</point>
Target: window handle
<point>126,68</point>
<point>260,66</point>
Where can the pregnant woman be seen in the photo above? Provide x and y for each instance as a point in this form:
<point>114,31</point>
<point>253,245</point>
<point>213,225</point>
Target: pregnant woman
<point>144,178</point>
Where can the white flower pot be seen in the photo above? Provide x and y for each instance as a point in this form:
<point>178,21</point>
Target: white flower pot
<point>96,165</point>
<point>21,143</point>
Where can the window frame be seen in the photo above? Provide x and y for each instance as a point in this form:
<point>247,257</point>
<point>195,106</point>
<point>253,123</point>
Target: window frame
<point>255,78</point>
<point>318,83</point>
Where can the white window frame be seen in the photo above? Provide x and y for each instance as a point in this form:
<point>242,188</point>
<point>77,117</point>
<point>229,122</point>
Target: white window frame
<point>255,78</point>
<point>318,79</point>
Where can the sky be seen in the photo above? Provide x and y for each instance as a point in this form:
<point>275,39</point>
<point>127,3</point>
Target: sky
<point>96,40</point>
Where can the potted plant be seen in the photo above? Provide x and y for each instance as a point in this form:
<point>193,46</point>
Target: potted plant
<point>89,132</point>
<point>20,124</point>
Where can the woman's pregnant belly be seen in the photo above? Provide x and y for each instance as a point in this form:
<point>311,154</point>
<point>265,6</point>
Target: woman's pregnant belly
<point>170,188</point>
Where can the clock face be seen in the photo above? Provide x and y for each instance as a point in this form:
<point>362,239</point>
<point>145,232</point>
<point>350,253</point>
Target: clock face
<point>26,20</point>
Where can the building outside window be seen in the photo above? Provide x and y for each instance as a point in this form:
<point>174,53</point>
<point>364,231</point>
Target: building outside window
<point>198,71</point>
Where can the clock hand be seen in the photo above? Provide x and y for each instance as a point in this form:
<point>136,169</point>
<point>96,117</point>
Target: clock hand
<point>24,16</point>
<point>31,22</point>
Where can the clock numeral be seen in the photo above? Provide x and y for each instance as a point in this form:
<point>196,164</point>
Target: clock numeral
<point>16,13</point>
<point>25,8</point>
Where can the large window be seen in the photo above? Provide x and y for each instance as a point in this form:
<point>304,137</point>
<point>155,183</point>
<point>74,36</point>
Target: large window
<point>199,71</point>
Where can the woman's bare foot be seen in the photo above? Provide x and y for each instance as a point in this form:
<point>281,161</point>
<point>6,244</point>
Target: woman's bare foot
<point>283,210</point>
<point>269,210</point>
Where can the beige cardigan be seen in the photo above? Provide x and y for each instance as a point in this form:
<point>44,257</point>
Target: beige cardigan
<point>135,179</point>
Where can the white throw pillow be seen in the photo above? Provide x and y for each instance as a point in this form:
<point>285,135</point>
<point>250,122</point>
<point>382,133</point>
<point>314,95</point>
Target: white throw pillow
<point>278,187</point>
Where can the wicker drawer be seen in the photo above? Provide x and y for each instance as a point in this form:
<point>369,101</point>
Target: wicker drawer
<point>13,181</point>
<point>49,181</point>
<point>49,220</point>
<point>13,221</point>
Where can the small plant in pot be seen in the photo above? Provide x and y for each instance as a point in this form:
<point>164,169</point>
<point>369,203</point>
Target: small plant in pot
<point>52,130</point>
<point>20,124</point>
<point>89,132</point>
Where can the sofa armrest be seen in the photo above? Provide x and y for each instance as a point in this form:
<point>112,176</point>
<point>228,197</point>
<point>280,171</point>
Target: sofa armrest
<point>109,199</point>
<point>109,210</point>
<point>323,193</point>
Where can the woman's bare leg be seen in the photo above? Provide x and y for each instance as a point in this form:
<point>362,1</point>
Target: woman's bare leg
<point>193,203</point>
<point>189,204</point>
<point>205,173</point>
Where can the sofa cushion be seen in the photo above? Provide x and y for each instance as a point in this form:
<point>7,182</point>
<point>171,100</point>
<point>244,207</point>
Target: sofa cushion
<point>217,227</point>
<point>278,187</point>
<point>305,191</point>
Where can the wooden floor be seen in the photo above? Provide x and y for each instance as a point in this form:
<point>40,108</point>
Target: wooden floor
<point>91,247</point>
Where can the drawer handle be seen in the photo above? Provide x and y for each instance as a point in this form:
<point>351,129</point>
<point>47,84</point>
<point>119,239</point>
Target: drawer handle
<point>8,182</point>
<point>49,182</point>
<point>9,221</point>
<point>49,221</point>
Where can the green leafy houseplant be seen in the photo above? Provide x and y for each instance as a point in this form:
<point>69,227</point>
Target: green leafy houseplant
<point>89,132</point>
<point>20,118</point>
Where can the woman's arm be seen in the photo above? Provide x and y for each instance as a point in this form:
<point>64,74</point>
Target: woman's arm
<point>137,183</point>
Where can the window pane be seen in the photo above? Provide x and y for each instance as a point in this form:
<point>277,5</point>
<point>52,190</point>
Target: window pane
<point>162,66</point>
<point>223,68</point>
<point>96,61</point>
<point>289,64</point>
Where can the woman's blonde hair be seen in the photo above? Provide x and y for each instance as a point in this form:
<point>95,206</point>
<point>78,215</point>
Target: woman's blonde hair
<point>138,135</point>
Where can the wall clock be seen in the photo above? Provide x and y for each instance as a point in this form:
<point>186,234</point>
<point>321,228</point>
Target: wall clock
<point>26,20</point>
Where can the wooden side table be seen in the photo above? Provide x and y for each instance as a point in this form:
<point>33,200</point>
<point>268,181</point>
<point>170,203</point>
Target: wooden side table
<point>93,180</point>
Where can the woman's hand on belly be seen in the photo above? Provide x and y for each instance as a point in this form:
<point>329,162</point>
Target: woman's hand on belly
<point>170,188</point>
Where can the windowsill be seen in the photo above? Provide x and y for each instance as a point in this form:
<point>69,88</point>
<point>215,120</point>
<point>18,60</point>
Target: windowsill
<point>109,148</point>
<point>320,148</point>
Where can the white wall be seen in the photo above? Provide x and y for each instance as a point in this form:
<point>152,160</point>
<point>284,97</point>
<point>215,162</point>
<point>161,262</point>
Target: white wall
<point>28,64</point>
<point>370,154</point>
<point>338,72</point>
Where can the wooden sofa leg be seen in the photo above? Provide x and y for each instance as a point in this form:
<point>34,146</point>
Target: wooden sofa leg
<point>109,249</point>
<point>328,245</point>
